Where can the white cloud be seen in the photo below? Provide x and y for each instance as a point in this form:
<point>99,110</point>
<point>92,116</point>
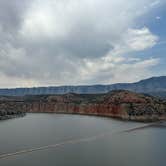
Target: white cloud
<point>127,70</point>
<point>158,17</point>
<point>155,3</point>
<point>16,81</point>
<point>46,20</point>
<point>140,39</point>
<point>74,42</point>
<point>115,64</point>
<point>59,18</point>
<point>134,71</point>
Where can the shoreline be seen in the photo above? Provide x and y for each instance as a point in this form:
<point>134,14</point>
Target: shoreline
<point>141,119</point>
<point>127,119</point>
<point>6,117</point>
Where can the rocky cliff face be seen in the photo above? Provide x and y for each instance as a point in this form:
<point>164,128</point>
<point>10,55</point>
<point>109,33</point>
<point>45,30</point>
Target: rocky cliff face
<point>119,104</point>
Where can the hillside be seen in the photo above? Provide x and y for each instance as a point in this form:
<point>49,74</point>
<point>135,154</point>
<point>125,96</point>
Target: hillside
<point>121,104</point>
<point>155,86</point>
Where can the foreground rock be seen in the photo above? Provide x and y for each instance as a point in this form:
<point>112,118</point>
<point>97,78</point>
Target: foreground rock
<point>121,104</point>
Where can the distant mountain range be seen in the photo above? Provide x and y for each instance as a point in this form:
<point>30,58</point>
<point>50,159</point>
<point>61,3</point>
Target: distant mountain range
<point>154,86</point>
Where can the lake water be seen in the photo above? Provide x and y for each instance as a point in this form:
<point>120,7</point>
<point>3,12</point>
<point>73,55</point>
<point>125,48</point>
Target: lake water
<point>144,147</point>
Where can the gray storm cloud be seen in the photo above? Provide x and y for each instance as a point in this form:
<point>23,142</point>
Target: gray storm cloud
<point>72,42</point>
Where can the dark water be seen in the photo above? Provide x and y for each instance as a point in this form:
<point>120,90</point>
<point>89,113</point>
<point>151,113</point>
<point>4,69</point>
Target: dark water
<point>145,147</point>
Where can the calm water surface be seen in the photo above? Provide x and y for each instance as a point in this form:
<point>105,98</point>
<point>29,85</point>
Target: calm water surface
<point>145,147</point>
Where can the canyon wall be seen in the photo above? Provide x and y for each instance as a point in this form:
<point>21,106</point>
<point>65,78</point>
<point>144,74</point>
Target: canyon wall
<point>122,104</point>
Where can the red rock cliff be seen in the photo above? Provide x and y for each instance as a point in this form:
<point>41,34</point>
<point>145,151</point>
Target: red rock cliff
<point>119,104</point>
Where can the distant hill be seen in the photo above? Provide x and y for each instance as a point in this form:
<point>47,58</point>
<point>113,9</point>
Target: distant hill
<point>154,86</point>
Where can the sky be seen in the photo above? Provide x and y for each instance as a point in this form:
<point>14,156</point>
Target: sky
<point>77,42</point>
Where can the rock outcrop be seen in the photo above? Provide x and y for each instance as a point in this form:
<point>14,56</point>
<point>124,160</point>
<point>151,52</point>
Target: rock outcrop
<point>121,104</point>
<point>11,108</point>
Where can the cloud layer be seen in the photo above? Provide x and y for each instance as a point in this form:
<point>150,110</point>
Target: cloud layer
<point>61,42</point>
